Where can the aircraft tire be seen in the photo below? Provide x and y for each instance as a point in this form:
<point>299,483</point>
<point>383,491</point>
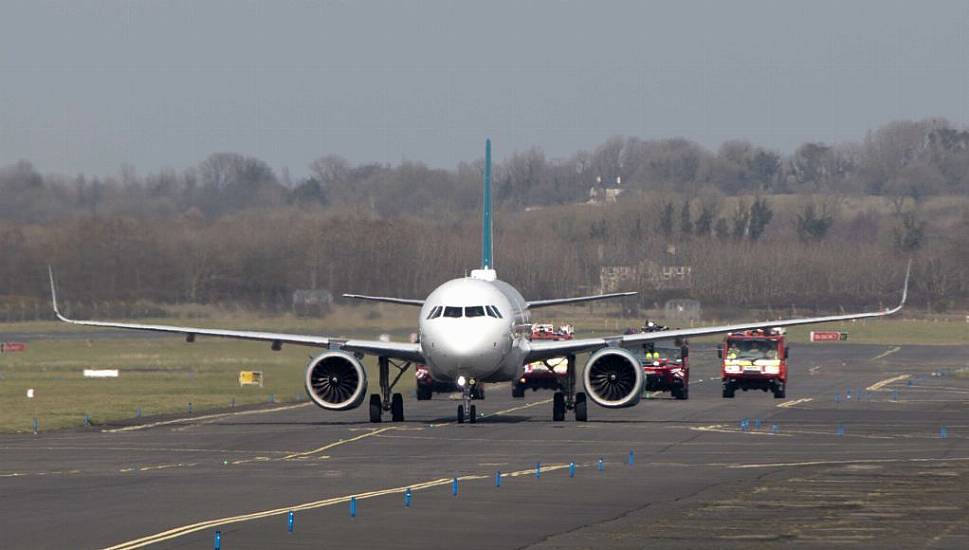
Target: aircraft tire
<point>397,407</point>
<point>460,414</point>
<point>558,407</point>
<point>424,394</point>
<point>375,408</point>
<point>581,408</point>
<point>473,414</point>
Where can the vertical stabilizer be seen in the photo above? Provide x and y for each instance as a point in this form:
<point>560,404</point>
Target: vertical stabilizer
<point>487,257</point>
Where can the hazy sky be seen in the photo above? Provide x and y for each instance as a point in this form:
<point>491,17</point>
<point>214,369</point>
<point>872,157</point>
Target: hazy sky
<point>88,85</point>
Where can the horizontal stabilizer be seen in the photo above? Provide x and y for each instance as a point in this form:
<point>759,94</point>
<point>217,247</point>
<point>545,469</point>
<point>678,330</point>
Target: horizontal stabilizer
<point>560,301</point>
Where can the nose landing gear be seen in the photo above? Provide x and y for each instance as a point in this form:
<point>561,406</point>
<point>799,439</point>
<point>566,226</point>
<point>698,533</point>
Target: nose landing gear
<point>466,410</point>
<point>569,399</point>
<point>385,401</point>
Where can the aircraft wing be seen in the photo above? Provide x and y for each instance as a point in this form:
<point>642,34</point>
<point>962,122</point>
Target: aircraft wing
<point>559,301</point>
<point>547,349</point>
<point>397,350</point>
<point>386,299</point>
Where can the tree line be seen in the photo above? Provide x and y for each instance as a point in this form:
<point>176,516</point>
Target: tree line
<point>825,227</point>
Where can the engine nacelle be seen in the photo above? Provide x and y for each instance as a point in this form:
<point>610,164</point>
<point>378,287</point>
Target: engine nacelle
<point>613,378</point>
<point>336,380</point>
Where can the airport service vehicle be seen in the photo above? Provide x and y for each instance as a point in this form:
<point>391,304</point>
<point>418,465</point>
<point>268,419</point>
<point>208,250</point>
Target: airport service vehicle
<point>470,333</point>
<point>667,369</point>
<point>427,386</point>
<point>548,374</point>
<point>754,359</point>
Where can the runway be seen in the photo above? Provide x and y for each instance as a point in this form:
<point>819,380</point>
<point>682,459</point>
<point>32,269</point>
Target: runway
<point>816,469</point>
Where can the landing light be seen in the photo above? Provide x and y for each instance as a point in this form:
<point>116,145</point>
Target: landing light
<point>461,381</point>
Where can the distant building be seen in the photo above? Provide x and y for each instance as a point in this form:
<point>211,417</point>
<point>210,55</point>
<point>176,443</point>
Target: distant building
<point>647,274</point>
<point>312,301</point>
<point>682,309</point>
<point>600,193</point>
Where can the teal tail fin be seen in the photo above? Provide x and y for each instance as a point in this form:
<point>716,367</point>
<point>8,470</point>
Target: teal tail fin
<point>487,254</point>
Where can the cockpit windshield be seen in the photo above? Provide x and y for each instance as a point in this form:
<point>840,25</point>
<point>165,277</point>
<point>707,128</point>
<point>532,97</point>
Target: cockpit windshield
<point>752,350</point>
<point>451,311</point>
<point>467,311</point>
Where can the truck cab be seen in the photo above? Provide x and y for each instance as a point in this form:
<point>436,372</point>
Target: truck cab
<point>754,360</point>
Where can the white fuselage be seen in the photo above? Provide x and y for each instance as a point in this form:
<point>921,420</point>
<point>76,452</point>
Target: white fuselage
<point>474,327</point>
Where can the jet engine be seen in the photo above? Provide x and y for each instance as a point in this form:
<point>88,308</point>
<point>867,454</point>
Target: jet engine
<point>336,380</point>
<point>613,378</point>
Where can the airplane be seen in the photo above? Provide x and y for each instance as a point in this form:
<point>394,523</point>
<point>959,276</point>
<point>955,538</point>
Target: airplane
<point>471,331</point>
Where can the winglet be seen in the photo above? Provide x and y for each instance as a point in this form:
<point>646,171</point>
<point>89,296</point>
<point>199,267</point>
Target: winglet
<point>53,295</point>
<point>908,272</point>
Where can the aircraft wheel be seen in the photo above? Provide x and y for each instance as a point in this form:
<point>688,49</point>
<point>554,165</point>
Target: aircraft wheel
<point>423,393</point>
<point>460,414</point>
<point>375,408</point>
<point>780,390</point>
<point>397,407</point>
<point>473,414</point>
<point>581,408</point>
<point>558,407</point>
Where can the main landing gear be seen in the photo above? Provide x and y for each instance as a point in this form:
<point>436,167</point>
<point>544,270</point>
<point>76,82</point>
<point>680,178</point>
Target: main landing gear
<point>385,401</point>
<point>469,392</point>
<point>569,399</point>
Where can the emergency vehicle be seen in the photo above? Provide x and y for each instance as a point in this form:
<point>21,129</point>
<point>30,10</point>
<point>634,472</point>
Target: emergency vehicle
<point>667,369</point>
<point>754,360</point>
<point>549,374</point>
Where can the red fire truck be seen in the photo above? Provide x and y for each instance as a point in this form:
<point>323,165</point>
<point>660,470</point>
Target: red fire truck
<point>549,374</point>
<point>754,360</point>
<point>667,369</point>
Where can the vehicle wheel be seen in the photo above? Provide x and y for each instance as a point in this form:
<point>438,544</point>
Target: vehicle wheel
<point>375,408</point>
<point>558,407</point>
<point>728,390</point>
<point>397,407</point>
<point>581,408</point>
<point>460,414</point>
<point>682,392</point>
<point>423,393</point>
<point>473,414</point>
<point>517,392</point>
<point>780,391</point>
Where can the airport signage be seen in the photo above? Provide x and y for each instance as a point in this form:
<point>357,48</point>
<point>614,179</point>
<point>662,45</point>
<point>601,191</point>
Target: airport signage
<point>250,378</point>
<point>10,347</point>
<point>828,336</point>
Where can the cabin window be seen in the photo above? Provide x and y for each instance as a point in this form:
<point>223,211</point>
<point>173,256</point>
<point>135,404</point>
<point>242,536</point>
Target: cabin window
<point>451,311</point>
<point>474,311</point>
<point>435,312</point>
<point>497,313</point>
<point>491,311</point>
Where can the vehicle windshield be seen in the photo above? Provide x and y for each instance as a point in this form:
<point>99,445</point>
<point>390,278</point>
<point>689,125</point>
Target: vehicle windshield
<point>751,350</point>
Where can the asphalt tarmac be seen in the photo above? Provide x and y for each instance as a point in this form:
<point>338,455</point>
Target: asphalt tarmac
<point>887,478</point>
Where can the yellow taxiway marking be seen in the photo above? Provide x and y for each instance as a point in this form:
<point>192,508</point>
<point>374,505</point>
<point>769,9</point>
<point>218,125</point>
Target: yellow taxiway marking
<point>789,404</point>
<point>506,411</point>
<point>839,462</point>
<point>886,354</point>
<point>338,443</point>
<point>203,525</point>
<point>204,417</point>
<point>879,385</point>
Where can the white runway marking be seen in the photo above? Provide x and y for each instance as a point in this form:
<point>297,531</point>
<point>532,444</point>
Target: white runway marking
<point>886,354</point>
<point>839,462</point>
